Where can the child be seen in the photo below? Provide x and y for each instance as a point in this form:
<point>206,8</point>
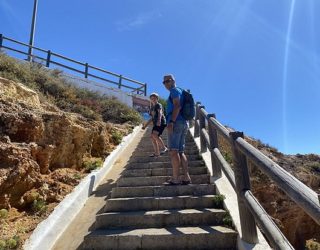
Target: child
<point>159,124</point>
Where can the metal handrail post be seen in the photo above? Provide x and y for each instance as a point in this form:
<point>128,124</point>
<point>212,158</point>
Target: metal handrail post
<point>33,25</point>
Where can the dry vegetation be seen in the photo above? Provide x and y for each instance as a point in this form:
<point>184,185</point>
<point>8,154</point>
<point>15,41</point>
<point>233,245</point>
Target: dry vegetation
<point>298,227</point>
<point>45,150</point>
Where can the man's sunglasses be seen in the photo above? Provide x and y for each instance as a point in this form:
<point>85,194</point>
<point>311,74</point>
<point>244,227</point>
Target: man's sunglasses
<point>166,81</point>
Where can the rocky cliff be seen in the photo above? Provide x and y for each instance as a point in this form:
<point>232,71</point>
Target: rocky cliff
<point>43,150</point>
<point>297,226</point>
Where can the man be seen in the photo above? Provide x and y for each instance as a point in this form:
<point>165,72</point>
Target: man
<point>177,128</point>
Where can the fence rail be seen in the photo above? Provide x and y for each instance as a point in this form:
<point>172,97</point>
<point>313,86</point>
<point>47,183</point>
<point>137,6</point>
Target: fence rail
<point>207,127</point>
<point>138,87</point>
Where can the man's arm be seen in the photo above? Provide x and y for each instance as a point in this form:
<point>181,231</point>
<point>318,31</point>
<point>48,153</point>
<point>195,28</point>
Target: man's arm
<point>176,108</point>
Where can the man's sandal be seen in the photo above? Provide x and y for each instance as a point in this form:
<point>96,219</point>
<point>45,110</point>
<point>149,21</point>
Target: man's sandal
<point>171,183</point>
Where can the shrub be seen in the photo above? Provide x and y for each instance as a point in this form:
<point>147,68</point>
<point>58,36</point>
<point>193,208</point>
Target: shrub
<point>115,111</point>
<point>12,243</point>
<point>218,201</point>
<point>92,164</point>
<point>77,176</point>
<point>2,245</point>
<point>39,206</point>
<point>199,157</point>
<point>3,213</point>
<point>315,166</point>
<point>227,221</point>
<point>228,157</point>
<point>116,136</point>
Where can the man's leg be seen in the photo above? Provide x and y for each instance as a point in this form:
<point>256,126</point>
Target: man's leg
<point>175,162</point>
<point>173,139</point>
<point>185,168</point>
<point>184,160</point>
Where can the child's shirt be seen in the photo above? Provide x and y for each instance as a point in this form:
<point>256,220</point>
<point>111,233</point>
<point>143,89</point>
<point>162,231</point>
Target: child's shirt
<point>155,114</point>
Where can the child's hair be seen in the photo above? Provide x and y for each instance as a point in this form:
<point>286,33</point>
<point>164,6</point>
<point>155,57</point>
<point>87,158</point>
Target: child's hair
<point>155,95</point>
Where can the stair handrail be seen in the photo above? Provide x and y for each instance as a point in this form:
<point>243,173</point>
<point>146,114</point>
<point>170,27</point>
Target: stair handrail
<point>140,88</point>
<point>251,212</point>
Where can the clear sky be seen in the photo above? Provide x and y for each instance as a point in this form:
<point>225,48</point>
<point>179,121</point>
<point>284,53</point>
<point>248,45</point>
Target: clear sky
<point>255,64</point>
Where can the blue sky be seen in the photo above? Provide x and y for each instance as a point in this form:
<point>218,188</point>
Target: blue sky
<point>256,64</point>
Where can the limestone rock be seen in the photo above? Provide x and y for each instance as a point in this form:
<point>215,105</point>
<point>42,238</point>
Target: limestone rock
<point>13,91</point>
<point>37,139</point>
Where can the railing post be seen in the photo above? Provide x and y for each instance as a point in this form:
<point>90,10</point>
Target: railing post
<point>86,70</point>
<point>1,40</point>
<point>248,225</point>
<point>196,122</point>
<point>48,58</point>
<point>120,82</point>
<point>145,89</point>
<point>213,135</point>
<point>202,121</point>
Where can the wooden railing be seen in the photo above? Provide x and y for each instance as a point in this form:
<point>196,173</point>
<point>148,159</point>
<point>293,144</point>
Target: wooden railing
<point>207,127</point>
<point>50,58</point>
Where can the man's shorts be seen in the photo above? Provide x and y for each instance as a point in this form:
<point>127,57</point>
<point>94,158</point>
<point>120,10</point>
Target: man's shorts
<point>159,129</point>
<point>177,139</point>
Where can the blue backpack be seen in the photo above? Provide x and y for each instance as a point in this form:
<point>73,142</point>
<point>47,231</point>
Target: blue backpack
<point>187,110</point>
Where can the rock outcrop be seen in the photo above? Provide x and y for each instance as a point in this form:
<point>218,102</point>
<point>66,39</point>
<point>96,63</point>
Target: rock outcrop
<point>37,138</point>
<point>296,225</point>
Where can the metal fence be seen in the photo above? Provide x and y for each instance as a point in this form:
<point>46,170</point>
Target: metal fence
<point>49,58</point>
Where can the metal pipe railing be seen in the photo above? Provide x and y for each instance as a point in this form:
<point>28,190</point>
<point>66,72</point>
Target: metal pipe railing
<point>140,89</point>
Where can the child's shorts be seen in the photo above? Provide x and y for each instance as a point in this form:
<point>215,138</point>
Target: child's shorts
<point>159,129</point>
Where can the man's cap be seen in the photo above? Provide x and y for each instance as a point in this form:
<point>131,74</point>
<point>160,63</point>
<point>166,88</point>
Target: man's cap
<point>169,76</point>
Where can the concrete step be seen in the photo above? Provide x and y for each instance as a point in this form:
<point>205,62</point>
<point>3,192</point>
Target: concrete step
<point>163,191</point>
<point>145,165</point>
<point>160,218</point>
<point>148,143</point>
<point>188,238</point>
<point>164,136</point>
<point>147,152</point>
<point>160,172</point>
<point>162,158</point>
<point>149,148</point>
<point>157,180</point>
<point>158,203</point>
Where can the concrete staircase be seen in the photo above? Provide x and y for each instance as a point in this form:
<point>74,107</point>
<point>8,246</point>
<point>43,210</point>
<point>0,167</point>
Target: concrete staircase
<point>141,213</point>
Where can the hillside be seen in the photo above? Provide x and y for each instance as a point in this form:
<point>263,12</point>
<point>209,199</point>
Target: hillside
<point>297,226</point>
<point>51,136</point>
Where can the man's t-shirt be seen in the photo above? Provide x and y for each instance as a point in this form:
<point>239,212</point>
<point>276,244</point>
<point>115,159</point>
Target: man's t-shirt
<point>156,114</point>
<point>174,93</point>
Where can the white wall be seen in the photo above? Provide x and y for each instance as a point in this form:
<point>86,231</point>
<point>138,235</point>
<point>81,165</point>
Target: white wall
<point>122,96</point>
